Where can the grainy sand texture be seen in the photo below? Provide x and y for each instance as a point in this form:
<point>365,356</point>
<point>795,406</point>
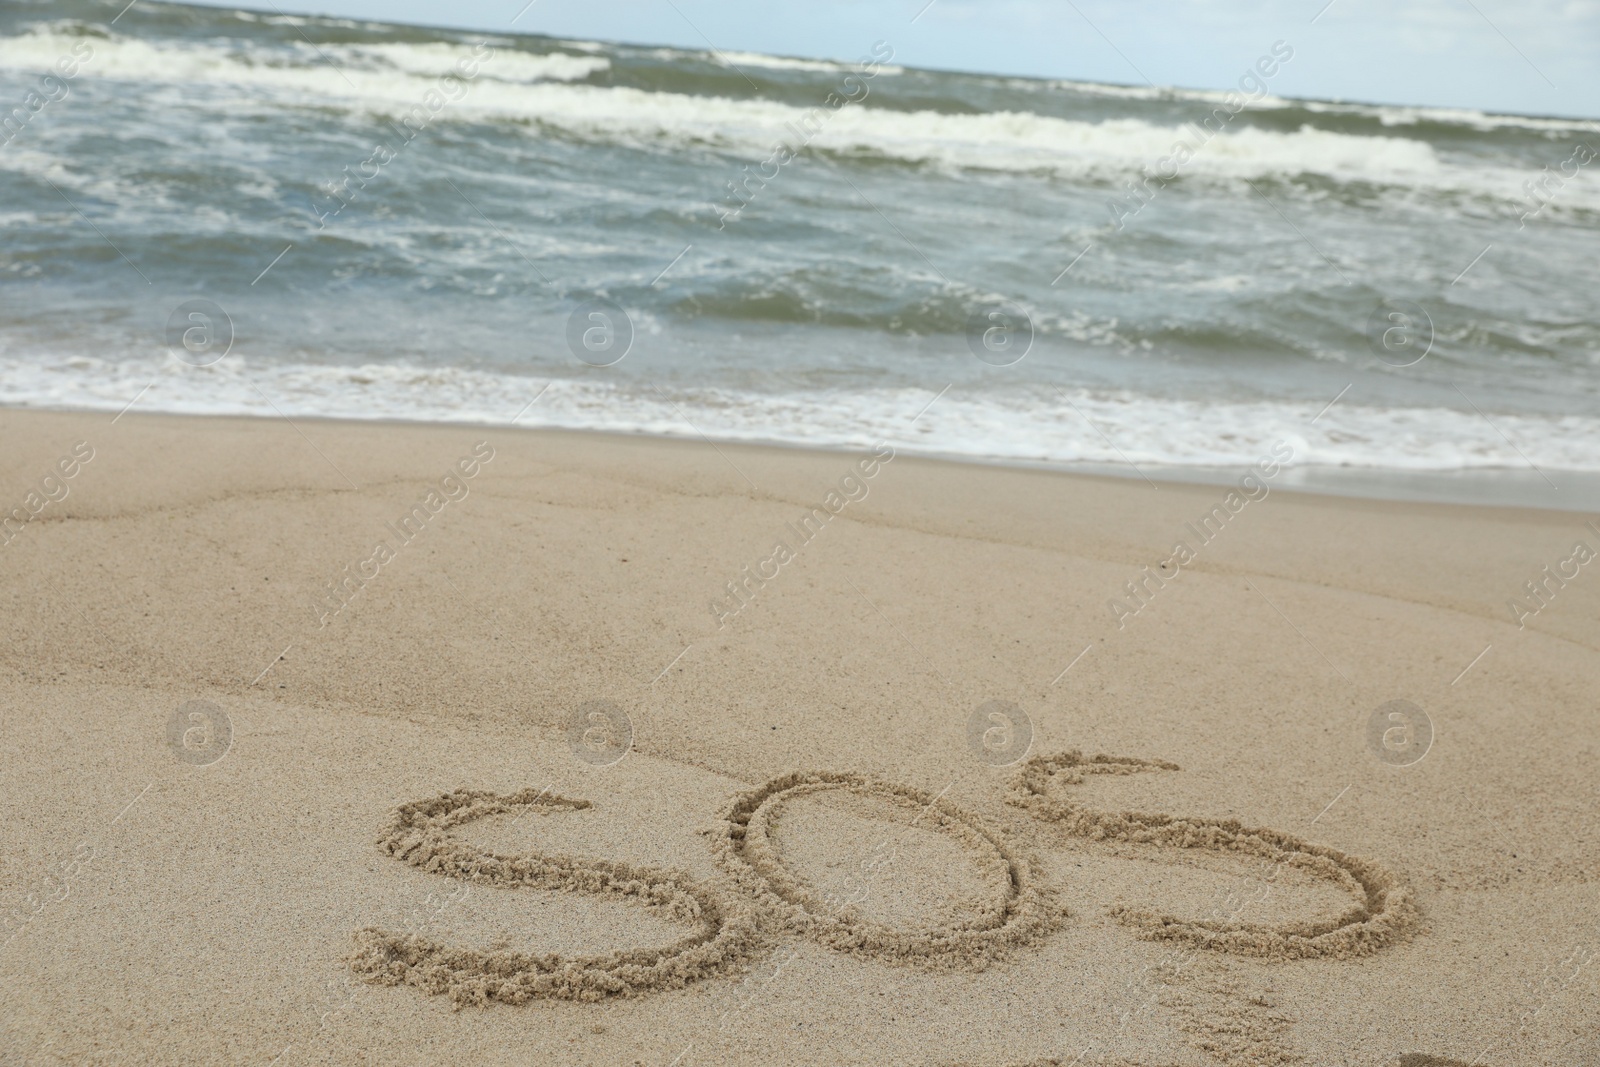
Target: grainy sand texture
<point>331,743</point>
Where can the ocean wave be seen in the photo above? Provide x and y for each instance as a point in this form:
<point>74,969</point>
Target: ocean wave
<point>389,71</point>
<point>297,20</point>
<point>1385,114</point>
<point>1023,424</point>
<point>901,301</point>
<point>1146,92</point>
<point>436,60</point>
<point>530,88</point>
<point>759,59</point>
<point>1399,115</point>
<point>429,59</point>
<point>1111,151</point>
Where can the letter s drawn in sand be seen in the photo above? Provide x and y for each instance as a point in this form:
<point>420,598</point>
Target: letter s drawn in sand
<point>1383,912</point>
<point>420,836</point>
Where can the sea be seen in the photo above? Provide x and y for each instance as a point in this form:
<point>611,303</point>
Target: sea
<point>240,212</point>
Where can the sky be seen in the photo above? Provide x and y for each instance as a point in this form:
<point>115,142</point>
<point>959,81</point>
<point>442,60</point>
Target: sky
<point>1524,56</point>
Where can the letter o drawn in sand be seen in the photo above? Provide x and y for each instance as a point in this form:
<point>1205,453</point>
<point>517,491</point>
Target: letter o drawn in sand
<point>1399,733</point>
<point>420,836</point>
<point>199,732</point>
<point>599,732</point>
<point>999,732</point>
<point>1018,914</point>
<point>1382,913</point>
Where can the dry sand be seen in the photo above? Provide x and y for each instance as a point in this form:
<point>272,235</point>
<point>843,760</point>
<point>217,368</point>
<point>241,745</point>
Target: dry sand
<point>523,800</point>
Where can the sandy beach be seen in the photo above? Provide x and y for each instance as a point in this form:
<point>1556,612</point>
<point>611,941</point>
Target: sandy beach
<point>299,718</point>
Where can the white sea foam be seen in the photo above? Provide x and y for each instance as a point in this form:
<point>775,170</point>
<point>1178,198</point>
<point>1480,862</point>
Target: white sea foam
<point>758,59</point>
<point>527,88</point>
<point>1152,92</point>
<point>1399,115</point>
<point>1017,425</point>
<point>374,72</point>
<point>1386,114</point>
<point>436,60</point>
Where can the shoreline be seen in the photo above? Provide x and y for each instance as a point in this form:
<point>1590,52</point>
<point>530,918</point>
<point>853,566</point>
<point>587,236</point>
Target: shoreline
<point>1490,487</point>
